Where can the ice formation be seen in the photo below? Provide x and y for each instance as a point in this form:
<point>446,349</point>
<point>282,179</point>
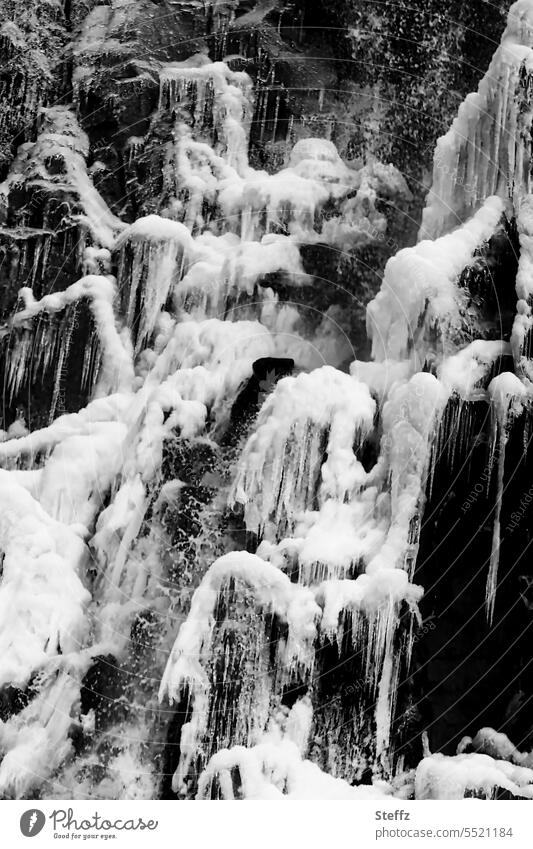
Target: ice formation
<point>315,497</point>
<point>441,777</point>
<point>275,769</point>
<point>420,310</point>
<point>221,98</point>
<point>307,416</point>
<point>486,150</point>
<point>57,161</point>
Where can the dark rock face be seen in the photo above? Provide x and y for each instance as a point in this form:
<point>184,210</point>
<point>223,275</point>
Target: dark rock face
<point>101,689</point>
<point>469,675</point>
<point>12,701</point>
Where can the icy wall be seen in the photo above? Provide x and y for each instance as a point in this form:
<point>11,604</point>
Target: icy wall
<point>249,547</point>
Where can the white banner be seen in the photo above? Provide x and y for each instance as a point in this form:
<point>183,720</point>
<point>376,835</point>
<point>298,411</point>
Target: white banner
<point>272,825</point>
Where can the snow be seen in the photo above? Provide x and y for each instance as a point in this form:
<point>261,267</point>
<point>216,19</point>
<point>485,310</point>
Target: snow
<point>380,377</point>
<point>294,197</point>
<point>212,107</point>
<point>275,769</point>
<point>98,457</point>
<point>507,393</point>
<point>368,592</point>
<point>465,372</point>
<point>42,597</point>
<point>497,745</point>
<point>442,777</point>
<point>274,772</point>
<point>157,229</point>
<point>419,292</point>
<point>222,268</point>
<point>331,541</point>
<point>110,408</point>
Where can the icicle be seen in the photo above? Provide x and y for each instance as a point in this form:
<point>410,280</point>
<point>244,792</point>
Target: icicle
<point>91,363</point>
<point>276,113</point>
<point>523,321</point>
<point>275,768</point>
<point>117,369</point>
<point>184,671</point>
<point>507,394</point>
<point>191,83</point>
<point>158,246</point>
<point>373,601</point>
